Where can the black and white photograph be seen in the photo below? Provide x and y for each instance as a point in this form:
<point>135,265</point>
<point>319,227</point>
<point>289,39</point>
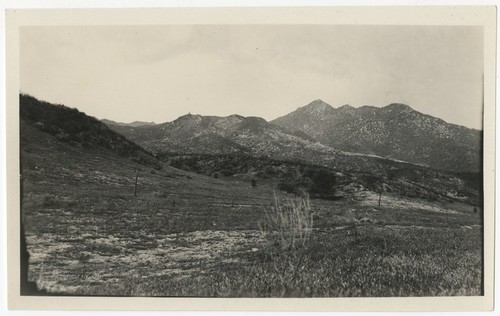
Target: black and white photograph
<point>252,160</point>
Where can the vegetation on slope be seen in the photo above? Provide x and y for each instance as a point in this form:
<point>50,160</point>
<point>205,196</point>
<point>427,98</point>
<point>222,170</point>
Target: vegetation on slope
<point>78,129</point>
<point>395,131</point>
<point>324,182</point>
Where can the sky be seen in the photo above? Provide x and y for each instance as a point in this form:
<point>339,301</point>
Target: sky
<point>158,73</point>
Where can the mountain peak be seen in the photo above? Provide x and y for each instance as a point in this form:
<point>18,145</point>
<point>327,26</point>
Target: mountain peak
<point>317,107</point>
<point>398,106</point>
<point>189,116</point>
<point>318,103</point>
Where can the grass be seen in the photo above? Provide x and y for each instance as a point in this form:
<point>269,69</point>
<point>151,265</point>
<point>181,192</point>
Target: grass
<point>379,265</point>
<point>201,236</point>
<point>289,223</point>
<point>383,261</point>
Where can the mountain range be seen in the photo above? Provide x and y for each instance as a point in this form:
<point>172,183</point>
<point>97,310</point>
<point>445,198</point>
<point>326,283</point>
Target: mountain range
<point>395,131</point>
<point>319,132</point>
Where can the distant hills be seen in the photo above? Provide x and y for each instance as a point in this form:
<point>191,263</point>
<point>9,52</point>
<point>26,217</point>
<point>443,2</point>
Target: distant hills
<point>395,131</point>
<point>196,134</point>
<point>132,124</point>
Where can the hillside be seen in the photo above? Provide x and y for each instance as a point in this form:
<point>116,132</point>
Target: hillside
<point>395,131</point>
<point>343,180</point>
<point>77,129</point>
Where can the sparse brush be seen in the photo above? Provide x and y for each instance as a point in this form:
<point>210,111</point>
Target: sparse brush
<point>289,222</point>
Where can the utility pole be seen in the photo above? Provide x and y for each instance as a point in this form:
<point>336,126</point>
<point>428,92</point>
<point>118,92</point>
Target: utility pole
<point>136,176</point>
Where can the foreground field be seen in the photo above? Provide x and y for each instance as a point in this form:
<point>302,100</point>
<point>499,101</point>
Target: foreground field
<point>191,235</point>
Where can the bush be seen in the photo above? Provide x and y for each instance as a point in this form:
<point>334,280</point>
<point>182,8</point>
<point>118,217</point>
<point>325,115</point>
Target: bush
<point>323,182</point>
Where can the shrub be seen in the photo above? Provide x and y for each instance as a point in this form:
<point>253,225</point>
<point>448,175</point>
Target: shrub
<point>254,183</point>
<point>323,182</point>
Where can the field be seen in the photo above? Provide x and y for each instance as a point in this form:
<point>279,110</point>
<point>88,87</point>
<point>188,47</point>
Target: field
<point>185,234</point>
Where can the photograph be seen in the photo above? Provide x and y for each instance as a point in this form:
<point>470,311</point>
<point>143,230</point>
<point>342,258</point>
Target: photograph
<point>257,159</point>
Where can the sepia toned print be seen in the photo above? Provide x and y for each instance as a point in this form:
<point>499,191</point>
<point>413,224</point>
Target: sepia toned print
<point>252,161</point>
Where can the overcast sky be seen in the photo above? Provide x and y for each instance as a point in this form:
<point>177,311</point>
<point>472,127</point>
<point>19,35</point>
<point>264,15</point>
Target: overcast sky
<point>158,73</point>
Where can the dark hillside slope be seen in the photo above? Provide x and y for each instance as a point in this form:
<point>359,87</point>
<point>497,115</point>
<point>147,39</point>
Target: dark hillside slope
<point>78,129</point>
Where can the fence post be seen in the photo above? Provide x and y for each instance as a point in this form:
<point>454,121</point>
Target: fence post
<point>136,176</point>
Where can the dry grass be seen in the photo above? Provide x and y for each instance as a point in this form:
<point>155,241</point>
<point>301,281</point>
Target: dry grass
<point>289,222</point>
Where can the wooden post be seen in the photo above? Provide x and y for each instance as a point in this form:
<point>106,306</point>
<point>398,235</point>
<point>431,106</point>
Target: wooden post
<point>355,230</point>
<point>136,176</point>
<point>379,197</point>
